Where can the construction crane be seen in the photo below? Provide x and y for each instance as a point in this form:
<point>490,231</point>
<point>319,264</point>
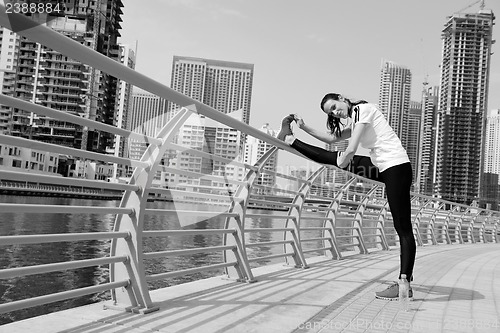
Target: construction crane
<point>472,4</point>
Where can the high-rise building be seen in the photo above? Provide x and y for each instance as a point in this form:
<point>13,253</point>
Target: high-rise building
<point>208,136</point>
<point>9,49</point>
<point>223,85</point>
<point>490,191</point>
<point>147,116</point>
<point>492,146</point>
<point>46,77</point>
<point>425,164</point>
<point>226,86</point>
<point>394,96</point>
<point>413,125</point>
<point>465,68</point>
<point>254,149</point>
<point>123,108</point>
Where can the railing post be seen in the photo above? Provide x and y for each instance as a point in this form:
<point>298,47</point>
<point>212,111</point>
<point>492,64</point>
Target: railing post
<point>432,222</point>
<point>134,224</point>
<point>334,211</point>
<point>456,212</point>
<point>446,224</point>
<point>470,229</point>
<point>381,223</point>
<point>296,211</point>
<point>496,231</point>
<point>239,206</point>
<point>482,232</point>
<point>242,268</point>
<point>459,226</point>
<point>330,232</point>
<point>359,218</point>
<point>416,222</point>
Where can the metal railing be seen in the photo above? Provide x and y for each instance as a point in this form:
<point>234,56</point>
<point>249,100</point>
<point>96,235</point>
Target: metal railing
<point>328,220</point>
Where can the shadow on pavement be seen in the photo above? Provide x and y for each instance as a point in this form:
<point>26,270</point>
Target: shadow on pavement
<point>445,294</point>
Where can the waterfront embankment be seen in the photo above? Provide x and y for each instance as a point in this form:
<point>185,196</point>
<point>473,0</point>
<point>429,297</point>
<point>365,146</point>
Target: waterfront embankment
<point>58,191</point>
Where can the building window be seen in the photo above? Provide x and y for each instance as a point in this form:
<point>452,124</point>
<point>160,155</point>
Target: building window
<point>16,163</point>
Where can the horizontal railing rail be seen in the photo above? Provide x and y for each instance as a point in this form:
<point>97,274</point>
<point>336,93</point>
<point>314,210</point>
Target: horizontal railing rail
<point>63,116</point>
<point>18,272</point>
<point>31,144</point>
<point>68,237</point>
<point>61,296</point>
<point>48,268</point>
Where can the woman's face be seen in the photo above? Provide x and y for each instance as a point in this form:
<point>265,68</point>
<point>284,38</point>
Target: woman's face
<point>338,109</point>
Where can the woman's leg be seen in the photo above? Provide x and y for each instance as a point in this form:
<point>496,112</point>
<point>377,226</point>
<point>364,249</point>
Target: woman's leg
<point>398,180</point>
<point>360,165</point>
<point>363,166</point>
<point>314,153</point>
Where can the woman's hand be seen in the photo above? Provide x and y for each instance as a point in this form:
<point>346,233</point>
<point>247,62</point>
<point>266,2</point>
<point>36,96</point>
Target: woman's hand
<point>299,121</point>
<point>322,136</point>
<point>343,159</point>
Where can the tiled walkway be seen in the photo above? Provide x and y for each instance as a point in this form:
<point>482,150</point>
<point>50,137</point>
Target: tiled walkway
<point>456,289</point>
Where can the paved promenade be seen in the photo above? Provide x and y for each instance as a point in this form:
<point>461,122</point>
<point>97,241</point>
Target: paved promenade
<point>456,289</point>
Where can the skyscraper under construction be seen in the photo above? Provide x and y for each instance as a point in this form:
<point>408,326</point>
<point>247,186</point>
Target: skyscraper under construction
<point>43,76</point>
<point>465,67</point>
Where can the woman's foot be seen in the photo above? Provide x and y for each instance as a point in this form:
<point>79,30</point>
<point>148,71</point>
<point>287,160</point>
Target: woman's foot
<point>392,293</point>
<point>285,127</point>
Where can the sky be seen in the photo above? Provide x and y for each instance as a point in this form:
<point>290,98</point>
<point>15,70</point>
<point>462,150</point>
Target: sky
<point>301,49</point>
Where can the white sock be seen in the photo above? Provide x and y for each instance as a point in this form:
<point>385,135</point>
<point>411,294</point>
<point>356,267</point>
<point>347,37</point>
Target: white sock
<point>289,139</point>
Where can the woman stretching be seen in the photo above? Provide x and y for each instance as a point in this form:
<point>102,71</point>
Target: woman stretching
<point>370,130</point>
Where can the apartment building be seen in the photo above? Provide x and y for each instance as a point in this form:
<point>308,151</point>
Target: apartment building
<point>41,75</point>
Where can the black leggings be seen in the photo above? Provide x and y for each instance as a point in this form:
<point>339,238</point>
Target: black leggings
<point>360,165</point>
<point>397,180</point>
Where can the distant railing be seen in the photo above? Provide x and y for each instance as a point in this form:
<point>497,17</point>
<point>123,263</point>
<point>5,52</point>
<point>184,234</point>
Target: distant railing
<point>35,187</point>
<point>333,221</point>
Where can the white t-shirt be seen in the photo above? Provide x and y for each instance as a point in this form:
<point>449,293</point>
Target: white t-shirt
<point>360,151</point>
<point>385,147</point>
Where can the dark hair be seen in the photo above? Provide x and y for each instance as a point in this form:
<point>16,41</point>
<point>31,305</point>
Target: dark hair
<point>333,123</point>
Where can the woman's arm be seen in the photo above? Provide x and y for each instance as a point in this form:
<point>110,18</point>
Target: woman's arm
<point>325,137</point>
<point>344,159</point>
